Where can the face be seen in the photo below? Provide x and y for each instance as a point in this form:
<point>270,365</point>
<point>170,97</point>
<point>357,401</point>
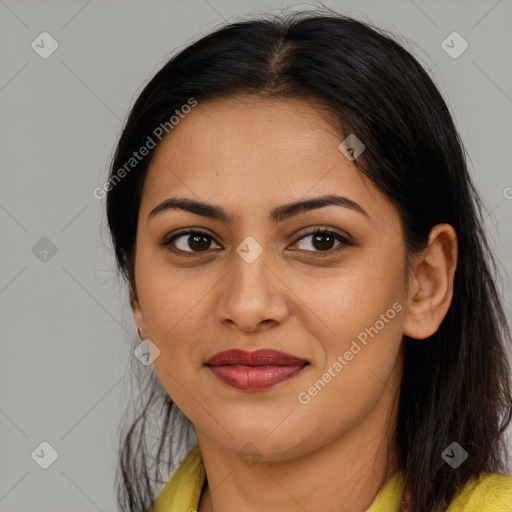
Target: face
<point>262,279</point>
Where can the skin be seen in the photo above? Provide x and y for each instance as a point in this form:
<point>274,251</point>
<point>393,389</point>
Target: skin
<point>250,155</point>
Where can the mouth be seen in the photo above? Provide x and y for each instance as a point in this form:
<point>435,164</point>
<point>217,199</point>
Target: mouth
<point>252,371</point>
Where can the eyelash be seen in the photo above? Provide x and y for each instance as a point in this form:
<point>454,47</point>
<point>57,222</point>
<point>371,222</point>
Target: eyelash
<point>318,231</point>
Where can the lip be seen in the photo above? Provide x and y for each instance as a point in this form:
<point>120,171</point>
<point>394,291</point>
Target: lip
<point>250,371</point>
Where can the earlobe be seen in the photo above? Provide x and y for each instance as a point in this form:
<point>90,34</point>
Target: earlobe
<point>136,310</point>
<point>431,283</point>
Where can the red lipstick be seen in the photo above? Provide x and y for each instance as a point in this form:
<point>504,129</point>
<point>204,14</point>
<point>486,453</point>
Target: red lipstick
<point>255,370</point>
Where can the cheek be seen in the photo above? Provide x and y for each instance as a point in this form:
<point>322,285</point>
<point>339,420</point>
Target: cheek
<point>348,301</point>
<point>169,295</point>
<point>359,371</point>
<point>171,309</point>
<point>363,308</point>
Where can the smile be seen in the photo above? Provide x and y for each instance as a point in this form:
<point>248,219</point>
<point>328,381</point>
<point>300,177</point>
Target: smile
<point>252,371</point>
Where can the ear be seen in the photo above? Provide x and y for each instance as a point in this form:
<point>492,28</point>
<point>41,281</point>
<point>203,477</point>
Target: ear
<point>431,283</point>
<point>138,315</point>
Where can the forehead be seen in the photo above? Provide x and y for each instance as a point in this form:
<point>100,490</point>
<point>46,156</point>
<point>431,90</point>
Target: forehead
<point>251,154</point>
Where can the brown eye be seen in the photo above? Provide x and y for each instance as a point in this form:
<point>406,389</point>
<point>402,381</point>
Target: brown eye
<point>323,241</point>
<point>190,242</point>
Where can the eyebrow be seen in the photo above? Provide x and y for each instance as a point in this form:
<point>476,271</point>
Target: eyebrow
<point>278,214</point>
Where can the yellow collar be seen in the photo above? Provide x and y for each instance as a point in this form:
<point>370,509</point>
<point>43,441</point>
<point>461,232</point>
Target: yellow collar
<point>183,490</point>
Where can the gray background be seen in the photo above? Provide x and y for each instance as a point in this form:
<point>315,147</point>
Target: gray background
<point>66,324</point>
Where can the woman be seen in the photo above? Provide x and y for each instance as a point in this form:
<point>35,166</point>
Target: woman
<point>290,205</point>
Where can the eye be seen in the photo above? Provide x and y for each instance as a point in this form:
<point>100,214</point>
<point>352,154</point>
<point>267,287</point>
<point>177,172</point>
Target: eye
<point>198,241</point>
<point>323,241</point>
<point>193,241</point>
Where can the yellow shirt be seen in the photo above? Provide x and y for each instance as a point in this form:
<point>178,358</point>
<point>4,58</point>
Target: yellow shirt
<point>490,492</point>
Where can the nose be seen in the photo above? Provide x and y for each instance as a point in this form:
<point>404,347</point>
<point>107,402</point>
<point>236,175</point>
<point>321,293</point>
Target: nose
<point>253,296</point>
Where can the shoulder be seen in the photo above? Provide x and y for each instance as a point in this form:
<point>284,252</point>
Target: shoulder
<point>491,492</point>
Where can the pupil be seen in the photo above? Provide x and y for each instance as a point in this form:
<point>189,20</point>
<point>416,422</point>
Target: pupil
<point>317,238</point>
<point>201,241</point>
